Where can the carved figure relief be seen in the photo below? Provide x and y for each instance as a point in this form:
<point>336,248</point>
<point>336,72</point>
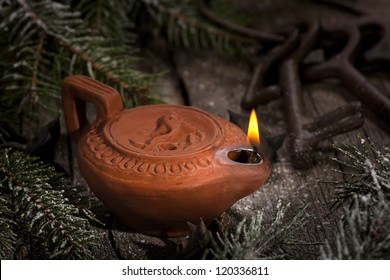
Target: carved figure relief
<point>172,132</point>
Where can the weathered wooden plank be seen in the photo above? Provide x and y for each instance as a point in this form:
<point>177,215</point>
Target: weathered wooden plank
<point>103,249</point>
<point>132,245</point>
<point>210,86</point>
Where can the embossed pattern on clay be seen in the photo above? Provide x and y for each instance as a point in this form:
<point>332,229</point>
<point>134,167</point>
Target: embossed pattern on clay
<point>163,131</point>
<point>172,133</point>
<point>104,152</point>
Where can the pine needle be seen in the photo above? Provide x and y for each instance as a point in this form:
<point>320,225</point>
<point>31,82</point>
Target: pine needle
<point>34,194</point>
<point>7,236</point>
<point>256,239</point>
<point>183,27</point>
<point>364,229</point>
<point>364,235</point>
<point>44,41</point>
<point>366,171</point>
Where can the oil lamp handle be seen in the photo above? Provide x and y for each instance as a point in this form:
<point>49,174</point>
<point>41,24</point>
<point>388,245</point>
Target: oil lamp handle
<point>79,89</point>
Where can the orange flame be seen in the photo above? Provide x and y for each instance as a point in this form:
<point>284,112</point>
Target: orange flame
<point>253,134</point>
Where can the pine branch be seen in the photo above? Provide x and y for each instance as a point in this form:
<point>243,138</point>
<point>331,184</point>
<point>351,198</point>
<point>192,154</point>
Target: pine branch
<point>363,231</point>
<point>38,55</point>
<point>43,41</point>
<point>366,171</point>
<point>184,28</point>
<point>40,207</point>
<point>257,239</point>
<point>364,234</point>
<point>7,236</point>
<point>109,18</point>
<point>225,10</point>
<point>75,47</point>
<point>84,202</point>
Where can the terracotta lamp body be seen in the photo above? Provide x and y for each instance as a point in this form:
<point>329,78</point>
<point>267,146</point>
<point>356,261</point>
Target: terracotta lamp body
<point>157,166</point>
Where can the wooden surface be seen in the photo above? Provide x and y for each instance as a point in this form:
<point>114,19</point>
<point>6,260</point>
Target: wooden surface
<point>216,83</point>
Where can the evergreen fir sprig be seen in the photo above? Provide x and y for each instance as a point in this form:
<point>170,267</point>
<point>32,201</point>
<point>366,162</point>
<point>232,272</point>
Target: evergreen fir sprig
<point>257,239</point>
<point>43,41</point>
<point>364,234</point>
<point>366,171</point>
<point>183,27</point>
<point>225,10</point>
<point>109,18</point>
<point>84,202</point>
<point>7,236</point>
<point>34,194</point>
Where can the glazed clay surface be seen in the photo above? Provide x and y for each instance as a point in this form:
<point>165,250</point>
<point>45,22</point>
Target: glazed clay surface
<point>157,166</point>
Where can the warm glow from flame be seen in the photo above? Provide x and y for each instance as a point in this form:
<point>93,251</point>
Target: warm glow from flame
<point>253,130</point>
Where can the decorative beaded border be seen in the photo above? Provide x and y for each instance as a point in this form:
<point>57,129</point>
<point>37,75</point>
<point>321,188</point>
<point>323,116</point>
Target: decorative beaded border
<point>105,152</point>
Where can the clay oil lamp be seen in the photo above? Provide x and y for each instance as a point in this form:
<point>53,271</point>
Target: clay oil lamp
<point>158,167</point>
